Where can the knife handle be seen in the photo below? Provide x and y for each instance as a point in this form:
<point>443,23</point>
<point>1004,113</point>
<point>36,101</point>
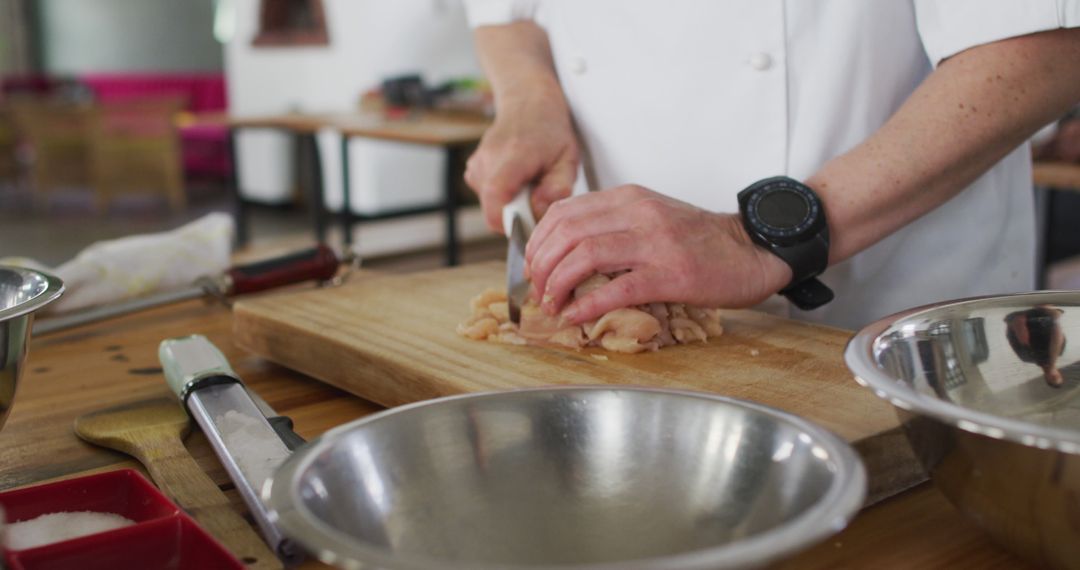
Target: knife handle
<point>319,263</point>
<point>190,361</point>
<point>520,206</point>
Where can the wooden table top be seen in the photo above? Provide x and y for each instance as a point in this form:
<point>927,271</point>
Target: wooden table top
<point>1057,175</point>
<point>96,366</point>
<point>418,128</point>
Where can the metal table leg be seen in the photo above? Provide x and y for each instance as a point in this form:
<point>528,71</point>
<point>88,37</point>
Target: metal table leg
<point>316,190</point>
<point>453,153</point>
<point>240,210</point>
<point>346,201</point>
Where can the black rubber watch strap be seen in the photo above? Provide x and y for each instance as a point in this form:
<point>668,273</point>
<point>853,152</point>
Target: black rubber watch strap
<point>808,294</point>
<point>807,259</point>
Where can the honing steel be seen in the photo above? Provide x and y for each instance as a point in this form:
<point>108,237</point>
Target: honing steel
<point>319,263</point>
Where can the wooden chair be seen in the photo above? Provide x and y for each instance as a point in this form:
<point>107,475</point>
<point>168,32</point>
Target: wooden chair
<point>135,147</point>
<point>57,134</point>
<point>9,145</point>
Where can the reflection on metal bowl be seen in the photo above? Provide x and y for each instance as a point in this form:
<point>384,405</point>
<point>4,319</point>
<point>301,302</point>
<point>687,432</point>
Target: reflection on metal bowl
<point>568,477</point>
<point>22,292</point>
<point>988,390</point>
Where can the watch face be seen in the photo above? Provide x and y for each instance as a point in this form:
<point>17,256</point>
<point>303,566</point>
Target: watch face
<point>785,212</point>
<point>783,209</point>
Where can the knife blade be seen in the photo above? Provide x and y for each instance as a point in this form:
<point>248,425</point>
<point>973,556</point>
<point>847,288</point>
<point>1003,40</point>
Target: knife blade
<point>248,446</point>
<point>518,223</point>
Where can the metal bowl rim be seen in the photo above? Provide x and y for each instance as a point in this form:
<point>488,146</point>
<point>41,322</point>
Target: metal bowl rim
<point>859,357</point>
<point>53,289</point>
<point>831,513</point>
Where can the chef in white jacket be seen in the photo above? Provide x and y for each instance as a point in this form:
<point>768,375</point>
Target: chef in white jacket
<point>905,120</point>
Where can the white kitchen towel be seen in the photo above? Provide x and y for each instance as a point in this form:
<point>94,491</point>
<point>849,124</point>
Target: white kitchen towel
<point>133,266</point>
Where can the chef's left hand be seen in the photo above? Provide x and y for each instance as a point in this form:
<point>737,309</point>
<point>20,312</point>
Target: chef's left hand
<point>673,252</point>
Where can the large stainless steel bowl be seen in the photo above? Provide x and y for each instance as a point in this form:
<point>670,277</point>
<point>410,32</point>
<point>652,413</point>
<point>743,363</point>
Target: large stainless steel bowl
<point>988,391</point>
<point>571,478</point>
<point>22,292</point>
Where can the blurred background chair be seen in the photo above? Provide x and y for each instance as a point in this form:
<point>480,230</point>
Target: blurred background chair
<point>204,143</point>
<point>9,145</point>
<point>135,147</point>
<point>57,137</point>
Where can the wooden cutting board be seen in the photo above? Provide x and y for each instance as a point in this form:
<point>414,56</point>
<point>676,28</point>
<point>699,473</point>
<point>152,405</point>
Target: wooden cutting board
<point>391,339</point>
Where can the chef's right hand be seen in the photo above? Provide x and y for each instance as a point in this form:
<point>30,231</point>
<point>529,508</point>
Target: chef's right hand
<point>529,143</point>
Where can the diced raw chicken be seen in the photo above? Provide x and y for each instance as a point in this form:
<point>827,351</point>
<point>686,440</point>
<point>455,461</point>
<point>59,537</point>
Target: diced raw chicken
<point>479,328</point>
<point>659,311</point>
<point>509,337</point>
<point>626,323</point>
<point>500,310</point>
<point>570,337</point>
<point>485,299</point>
<point>538,325</point>
<point>630,329</point>
<point>686,330</point>
<point>709,319</point>
<point>616,343</point>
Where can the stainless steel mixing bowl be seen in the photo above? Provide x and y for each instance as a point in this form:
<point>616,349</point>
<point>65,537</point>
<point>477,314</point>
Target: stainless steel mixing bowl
<point>22,292</point>
<point>988,391</point>
<point>572,478</point>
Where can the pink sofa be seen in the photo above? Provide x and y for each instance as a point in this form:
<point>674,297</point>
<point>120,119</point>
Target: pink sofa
<point>205,147</point>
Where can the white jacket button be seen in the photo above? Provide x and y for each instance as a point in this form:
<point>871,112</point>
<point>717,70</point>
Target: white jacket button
<point>760,61</point>
<point>577,65</point>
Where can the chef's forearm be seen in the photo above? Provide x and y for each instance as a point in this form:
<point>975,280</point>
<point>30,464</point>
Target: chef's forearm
<point>517,61</point>
<point>968,114</point>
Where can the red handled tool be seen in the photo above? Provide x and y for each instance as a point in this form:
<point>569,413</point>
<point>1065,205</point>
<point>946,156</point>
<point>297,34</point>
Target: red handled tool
<point>319,263</point>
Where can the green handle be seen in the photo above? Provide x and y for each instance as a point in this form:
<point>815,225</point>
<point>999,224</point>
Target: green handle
<point>191,359</point>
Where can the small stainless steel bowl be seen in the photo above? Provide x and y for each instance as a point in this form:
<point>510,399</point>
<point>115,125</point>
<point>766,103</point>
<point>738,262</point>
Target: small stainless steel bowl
<point>988,390</point>
<point>574,478</point>
<point>22,291</point>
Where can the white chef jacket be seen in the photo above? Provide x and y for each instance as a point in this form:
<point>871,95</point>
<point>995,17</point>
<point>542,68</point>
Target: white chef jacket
<point>699,98</point>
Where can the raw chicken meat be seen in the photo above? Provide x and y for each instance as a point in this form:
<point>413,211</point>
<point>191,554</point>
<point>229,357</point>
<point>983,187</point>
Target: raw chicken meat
<point>632,329</point>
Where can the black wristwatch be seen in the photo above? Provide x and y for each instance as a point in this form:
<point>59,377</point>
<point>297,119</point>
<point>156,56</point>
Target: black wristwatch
<point>786,217</point>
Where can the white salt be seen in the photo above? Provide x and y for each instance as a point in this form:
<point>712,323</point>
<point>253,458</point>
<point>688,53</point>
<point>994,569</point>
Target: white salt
<point>55,527</point>
<point>261,455</point>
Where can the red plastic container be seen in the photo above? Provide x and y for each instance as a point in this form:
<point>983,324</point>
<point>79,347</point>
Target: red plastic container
<point>162,538</point>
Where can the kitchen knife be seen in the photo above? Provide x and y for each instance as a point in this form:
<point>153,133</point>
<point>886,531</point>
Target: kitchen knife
<point>518,223</point>
<point>247,445</point>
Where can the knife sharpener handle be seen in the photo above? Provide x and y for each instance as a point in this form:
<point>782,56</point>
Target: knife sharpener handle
<point>193,362</point>
<point>319,263</point>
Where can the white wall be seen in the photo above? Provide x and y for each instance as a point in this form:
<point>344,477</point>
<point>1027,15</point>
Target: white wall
<point>87,36</point>
<point>369,41</point>
<point>14,43</point>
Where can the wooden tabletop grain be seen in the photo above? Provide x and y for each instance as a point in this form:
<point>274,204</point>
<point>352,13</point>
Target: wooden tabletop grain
<point>1057,175</point>
<point>96,366</point>
<point>418,128</point>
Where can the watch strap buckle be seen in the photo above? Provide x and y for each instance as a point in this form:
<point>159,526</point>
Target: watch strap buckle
<point>808,294</point>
